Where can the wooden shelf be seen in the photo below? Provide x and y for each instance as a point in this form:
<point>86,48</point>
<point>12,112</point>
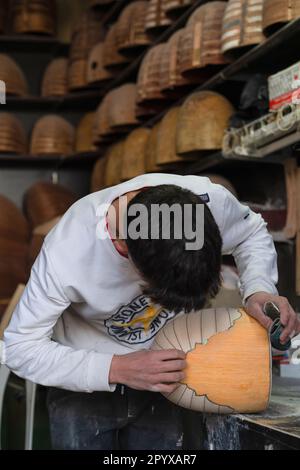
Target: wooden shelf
<point>30,43</point>
<point>84,100</point>
<point>56,161</point>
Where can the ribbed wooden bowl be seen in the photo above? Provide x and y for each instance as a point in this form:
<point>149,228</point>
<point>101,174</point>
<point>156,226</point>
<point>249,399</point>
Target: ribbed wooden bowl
<point>13,225</point>
<point>166,142</point>
<point>52,135</point>
<point>96,72</point>
<point>55,78</point>
<point>156,19</point>
<point>113,167</point>
<point>130,31</point>
<point>175,8</point>
<point>87,33</point>
<point>276,13</point>
<point>148,84</point>
<point>202,121</point>
<point>13,77</point>
<point>171,80</point>
<point>200,43</point>
<point>133,162</point>
<point>98,175</point>
<point>84,134</point>
<point>121,113</point>
<point>112,59</point>
<point>33,16</point>
<point>151,150</point>
<point>242,26</point>
<point>13,137</point>
<point>77,75</point>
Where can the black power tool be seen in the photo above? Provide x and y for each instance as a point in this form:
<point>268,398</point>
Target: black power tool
<point>273,312</point>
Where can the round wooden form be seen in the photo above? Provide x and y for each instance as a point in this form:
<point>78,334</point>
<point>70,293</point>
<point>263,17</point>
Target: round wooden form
<point>13,77</point>
<point>156,19</point>
<point>242,25</point>
<point>84,134</point>
<point>52,135</point>
<point>55,78</point>
<point>200,43</point>
<point>172,83</point>
<point>96,72</point>
<point>202,121</point>
<point>130,31</point>
<point>228,361</point>
<point>148,84</point>
<point>151,150</point>
<point>166,142</point>
<point>13,137</point>
<point>98,175</point>
<point>113,167</point>
<point>33,16</point>
<point>276,13</point>
<point>122,108</point>
<point>112,59</point>
<point>133,161</point>
<point>175,8</point>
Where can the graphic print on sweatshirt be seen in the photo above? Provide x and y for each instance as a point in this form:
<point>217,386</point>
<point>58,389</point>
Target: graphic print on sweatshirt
<point>137,322</point>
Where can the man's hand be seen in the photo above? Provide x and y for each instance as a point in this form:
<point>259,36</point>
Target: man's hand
<point>289,319</point>
<point>155,371</point>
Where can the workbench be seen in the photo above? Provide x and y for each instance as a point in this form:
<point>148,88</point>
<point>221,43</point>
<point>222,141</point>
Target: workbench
<point>278,428</point>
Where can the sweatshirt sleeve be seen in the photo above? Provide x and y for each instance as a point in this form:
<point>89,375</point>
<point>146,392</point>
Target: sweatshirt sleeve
<point>246,237</point>
<point>29,350</point>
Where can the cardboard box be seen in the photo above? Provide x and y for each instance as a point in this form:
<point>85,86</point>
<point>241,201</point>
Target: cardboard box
<point>284,87</point>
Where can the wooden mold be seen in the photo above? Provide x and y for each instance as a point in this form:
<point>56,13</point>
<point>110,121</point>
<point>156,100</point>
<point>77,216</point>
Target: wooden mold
<point>202,121</point>
<point>175,8</point>
<point>52,135</point>
<point>13,137</point>
<point>55,78</point>
<point>33,16</point>
<point>113,167</point>
<point>122,109</point>
<point>130,31</point>
<point>172,83</point>
<point>242,26</point>
<point>98,175</point>
<point>13,77</point>
<point>151,150</point>
<point>77,75</point>
<point>84,134</point>
<point>228,361</point>
<point>112,59</point>
<point>133,162</point>
<point>156,19</point>
<point>166,143</point>
<point>277,13</point>
<point>148,84</point>
<point>199,50</point>
<point>96,72</point>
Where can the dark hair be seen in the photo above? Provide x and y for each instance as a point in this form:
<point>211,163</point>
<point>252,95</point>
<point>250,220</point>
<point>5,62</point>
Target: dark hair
<point>176,278</point>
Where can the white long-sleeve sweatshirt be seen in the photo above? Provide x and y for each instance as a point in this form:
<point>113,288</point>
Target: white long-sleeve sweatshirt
<point>83,302</point>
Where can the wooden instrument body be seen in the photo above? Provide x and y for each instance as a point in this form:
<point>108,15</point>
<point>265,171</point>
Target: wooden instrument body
<point>228,361</point>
